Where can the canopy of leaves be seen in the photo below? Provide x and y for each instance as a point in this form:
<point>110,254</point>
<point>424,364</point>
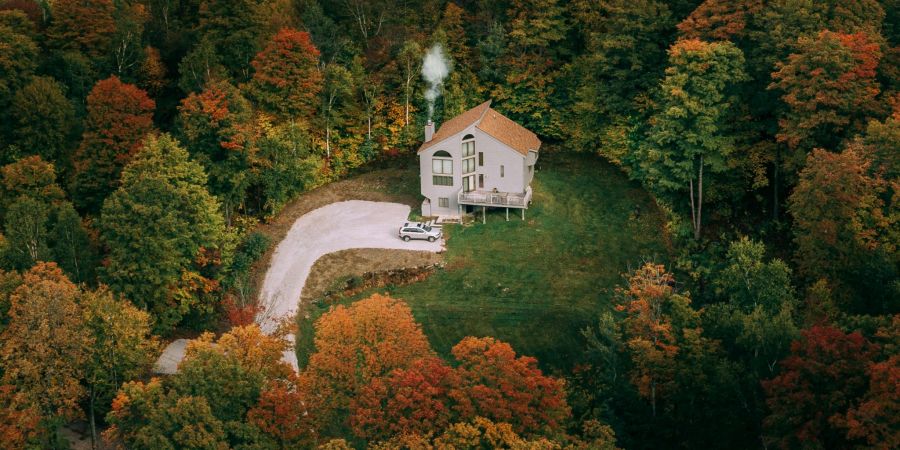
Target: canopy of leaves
<point>153,264</point>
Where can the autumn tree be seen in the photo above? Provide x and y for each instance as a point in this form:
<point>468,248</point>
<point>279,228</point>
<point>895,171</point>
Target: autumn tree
<point>122,348</point>
<point>148,416</point>
<point>45,348</point>
<point>356,344</point>
<point>841,228</point>
<point>287,80</point>
<point>828,86</point>
<point>819,381</point>
<point>86,26</point>
<point>649,302</point>
<point>284,414</point>
<point>718,20</point>
<point>18,60</point>
<point>530,64</point>
<point>217,127</point>
<point>876,419</point>
<point>231,372</point>
<point>237,30</point>
<point>161,226</point>
<point>19,418</point>
<point>689,136</point>
<point>119,116</point>
<point>43,120</point>
<point>500,386</point>
<point>413,400</point>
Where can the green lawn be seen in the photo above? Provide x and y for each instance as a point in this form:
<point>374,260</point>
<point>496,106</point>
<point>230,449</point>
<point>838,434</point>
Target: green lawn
<point>536,283</point>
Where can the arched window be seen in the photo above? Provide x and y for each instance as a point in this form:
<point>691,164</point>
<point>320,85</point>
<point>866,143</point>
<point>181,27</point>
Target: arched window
<point>442,168</point>
<point>467,137</point>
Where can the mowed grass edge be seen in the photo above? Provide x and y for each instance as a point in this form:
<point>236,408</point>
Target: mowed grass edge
<point>537,283</point>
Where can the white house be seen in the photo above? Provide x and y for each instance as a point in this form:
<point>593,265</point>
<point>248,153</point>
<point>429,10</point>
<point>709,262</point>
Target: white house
<point>479,158</point>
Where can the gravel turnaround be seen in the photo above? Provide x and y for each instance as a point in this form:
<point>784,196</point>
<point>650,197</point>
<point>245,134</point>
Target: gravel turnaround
<point>331,228</point>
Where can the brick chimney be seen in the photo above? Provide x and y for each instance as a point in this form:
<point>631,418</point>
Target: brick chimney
<point>429,131</point>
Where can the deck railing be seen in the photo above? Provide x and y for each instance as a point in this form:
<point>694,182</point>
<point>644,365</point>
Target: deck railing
<point>501,199</point>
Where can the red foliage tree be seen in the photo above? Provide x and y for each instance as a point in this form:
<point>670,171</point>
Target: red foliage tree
<point>829,88</point>
<point>287,80</point>
<point>876,419</point>
<point>497,385</point>
<point>824,375</point>
<point>119,116</point>
<point>719,20</point>
<point>285,414</point>
<point>413,400</point>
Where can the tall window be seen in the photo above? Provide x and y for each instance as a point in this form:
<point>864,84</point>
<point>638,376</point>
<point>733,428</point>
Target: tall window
<point>442,169</point>
<point>468,162</point>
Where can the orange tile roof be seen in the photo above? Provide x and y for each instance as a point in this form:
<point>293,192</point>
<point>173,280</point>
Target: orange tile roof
<point>491,122</point>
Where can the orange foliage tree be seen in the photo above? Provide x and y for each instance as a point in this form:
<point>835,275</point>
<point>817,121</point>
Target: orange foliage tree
<point>647,302</point>
<point>19,418</point>
<point>287,81</point>
<point>45,347</point>
<point>504,388</point>
<point>119,116</point>
<point>719,20</point>
<point>356,344</point>
<point>840,220</point>
<point>84,25</point>
<point>284,413</point>
<point>828,85</point>
<point>409,400</point>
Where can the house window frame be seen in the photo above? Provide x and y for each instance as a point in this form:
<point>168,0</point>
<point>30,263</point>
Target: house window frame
<point>443,202</point>
<point>468,154</point>
<point>502,171</point>
<point>442,169</point>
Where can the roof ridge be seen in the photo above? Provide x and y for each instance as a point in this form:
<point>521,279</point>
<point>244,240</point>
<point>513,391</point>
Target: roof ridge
<point>478,122</point>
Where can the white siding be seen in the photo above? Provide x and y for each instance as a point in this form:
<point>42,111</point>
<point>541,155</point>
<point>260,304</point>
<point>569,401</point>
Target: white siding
<point>515,177</point>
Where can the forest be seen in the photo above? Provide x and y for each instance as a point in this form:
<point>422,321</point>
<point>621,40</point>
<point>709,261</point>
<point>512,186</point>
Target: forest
<point>143,142</point>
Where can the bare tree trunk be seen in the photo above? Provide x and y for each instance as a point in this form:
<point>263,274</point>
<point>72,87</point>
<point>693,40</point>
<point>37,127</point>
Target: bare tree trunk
<point>93,421</point>
<point>775,169</point>
<point>700,202</point>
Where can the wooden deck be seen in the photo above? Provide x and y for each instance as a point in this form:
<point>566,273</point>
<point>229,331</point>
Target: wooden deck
<point>496,199</point>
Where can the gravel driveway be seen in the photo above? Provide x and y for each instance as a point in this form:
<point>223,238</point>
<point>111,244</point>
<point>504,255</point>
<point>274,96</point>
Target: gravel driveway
<point>334,227</point>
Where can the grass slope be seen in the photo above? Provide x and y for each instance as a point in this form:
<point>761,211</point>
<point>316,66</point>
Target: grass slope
<point>535,284</point>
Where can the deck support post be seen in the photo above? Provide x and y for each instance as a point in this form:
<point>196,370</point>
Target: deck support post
<point>523,213</point>
<point>507,214</point>
<point>483,215</point>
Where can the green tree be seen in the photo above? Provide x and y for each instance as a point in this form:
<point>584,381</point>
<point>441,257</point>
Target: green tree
<point>217,127</point>
<point>157,226</point>
<point>26,233</point>
<point>71,245</point>
<point>690,131</point>
<point>86,26</point>
<point>623,60</point>
<point>149,417</point>
<point>122,348</point>
<point>199,66</point>
<point>43,120</point>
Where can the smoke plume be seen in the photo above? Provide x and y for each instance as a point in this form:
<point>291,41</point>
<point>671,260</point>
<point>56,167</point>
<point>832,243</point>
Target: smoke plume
<point>435,68</point>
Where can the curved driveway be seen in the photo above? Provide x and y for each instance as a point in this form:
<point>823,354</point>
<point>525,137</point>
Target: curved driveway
<point>331,228</point>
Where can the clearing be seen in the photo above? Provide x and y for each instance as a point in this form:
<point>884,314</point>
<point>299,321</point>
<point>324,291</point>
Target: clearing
<point>534,284</point>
